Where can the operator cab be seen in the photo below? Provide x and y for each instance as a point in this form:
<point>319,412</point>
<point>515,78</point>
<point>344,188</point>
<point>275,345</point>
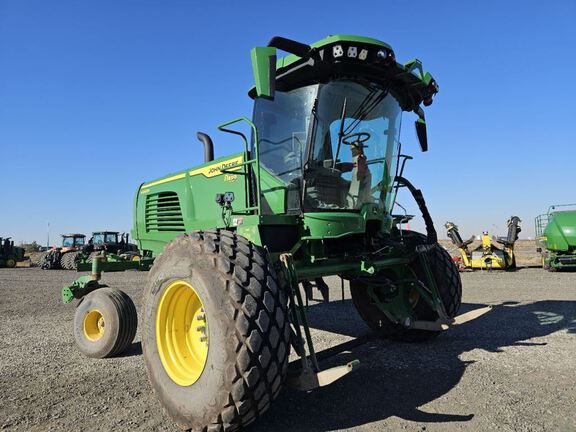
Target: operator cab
<point>105,237</point>
<point>336,144</point>
<point>73,240</point>
<point>328,122</point>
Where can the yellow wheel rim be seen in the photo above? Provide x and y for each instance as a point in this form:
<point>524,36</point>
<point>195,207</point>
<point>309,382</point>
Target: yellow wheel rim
<point>182,333</point>
<point>135,258</point>
<point>93,325</point>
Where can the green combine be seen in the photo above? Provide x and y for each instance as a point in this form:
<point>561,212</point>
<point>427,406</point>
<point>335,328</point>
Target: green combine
<point>556,237</point>
<point>310,194</point>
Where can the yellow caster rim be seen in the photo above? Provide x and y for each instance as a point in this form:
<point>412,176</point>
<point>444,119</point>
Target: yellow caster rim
<point>93,325</point>
<point>182,333</point>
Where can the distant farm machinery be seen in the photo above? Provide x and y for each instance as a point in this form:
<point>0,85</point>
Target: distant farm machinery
<point>487,255</point>
<point>10,255</point>
<point>310,195</point>
<point>111,242</point>
<point>556,238</point>
<point>75,250</point>
<point>62,257</point>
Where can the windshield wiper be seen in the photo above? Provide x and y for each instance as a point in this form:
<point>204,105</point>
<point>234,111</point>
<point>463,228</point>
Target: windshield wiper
<point>370,102</point>
<point>340,133</point>
<point>311,136</point>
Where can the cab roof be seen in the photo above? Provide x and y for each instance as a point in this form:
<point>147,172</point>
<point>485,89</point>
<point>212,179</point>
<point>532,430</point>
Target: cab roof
<point>349,56</point>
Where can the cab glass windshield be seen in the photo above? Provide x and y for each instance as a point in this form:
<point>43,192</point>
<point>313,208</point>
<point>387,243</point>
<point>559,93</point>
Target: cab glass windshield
<point>102,238</point>
<point>283,125</point>
<point>354,147</point>
<point>72,241</point>
<point>332,146</point>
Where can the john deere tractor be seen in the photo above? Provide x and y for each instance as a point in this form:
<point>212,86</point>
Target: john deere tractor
<point>311,194</point>
<point>556,237</point>
<point>110,242</point>
<point>10,254</point>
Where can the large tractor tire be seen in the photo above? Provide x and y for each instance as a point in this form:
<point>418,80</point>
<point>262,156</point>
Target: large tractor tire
<point>449,285</point>
<point>68,260</point>
<point>215,331</point>
<point>74,259</point>
<point>37,259</point>
<point>105,323</point>
<point>10,262</point>
<point>91,256</point>
<point>64,261</point>
<point>52,260</point>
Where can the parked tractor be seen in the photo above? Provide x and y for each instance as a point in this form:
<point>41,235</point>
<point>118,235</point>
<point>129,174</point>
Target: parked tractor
<point>63,257</point>
<point>487,256</point>
<point>111,242</point>
<point>10,255</point>
<point>311,194</point>
<point>556,237</point>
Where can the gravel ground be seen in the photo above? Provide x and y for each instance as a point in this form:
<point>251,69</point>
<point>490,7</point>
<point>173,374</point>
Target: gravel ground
<point>513,369</point>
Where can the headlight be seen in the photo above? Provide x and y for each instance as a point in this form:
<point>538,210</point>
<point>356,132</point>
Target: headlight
<point>337,51</point>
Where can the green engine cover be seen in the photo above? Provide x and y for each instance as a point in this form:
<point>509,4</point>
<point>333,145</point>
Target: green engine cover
<point>560,233</point>
<point>185,201</point>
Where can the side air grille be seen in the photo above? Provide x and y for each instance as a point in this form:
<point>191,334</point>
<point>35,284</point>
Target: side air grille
<point>163,213</point>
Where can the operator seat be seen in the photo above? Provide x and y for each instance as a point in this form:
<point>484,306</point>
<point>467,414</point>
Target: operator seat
<point>325,187</point>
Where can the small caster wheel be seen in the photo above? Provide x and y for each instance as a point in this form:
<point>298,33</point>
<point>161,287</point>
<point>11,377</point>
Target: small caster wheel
<point>105,323</point>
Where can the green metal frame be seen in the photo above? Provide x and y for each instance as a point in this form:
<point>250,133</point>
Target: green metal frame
<point>104,262</point>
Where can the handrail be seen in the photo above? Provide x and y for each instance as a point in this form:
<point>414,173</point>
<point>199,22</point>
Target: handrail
<point>255,160</point>
<point>540,224</point>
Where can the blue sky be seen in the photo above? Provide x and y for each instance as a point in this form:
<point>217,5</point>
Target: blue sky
<point>96,97</point>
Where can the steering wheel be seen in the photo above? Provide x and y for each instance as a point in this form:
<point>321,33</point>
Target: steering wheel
<point>361,137</point>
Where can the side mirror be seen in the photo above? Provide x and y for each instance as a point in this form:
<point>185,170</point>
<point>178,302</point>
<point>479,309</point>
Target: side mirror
<point>422,134</point>
<point>264,70</point>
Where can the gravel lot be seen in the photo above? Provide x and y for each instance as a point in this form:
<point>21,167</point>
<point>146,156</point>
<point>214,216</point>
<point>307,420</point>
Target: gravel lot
<point>512,369</point>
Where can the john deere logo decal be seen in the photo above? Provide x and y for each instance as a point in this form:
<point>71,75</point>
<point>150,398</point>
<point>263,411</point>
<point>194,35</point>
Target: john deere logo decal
<point>217,168</point>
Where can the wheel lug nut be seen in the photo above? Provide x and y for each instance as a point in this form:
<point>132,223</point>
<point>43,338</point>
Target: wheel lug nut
<point>203,338</point>
<point>201,329</point>
<point>201,317</point>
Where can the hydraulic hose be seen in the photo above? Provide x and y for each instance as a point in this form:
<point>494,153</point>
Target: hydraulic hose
<point>419,198</point>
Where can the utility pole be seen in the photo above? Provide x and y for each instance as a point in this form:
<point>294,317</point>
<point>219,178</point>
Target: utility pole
<point>48,238</point>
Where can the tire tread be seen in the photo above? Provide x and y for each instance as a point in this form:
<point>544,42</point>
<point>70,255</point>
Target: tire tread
<point>256,309</point>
